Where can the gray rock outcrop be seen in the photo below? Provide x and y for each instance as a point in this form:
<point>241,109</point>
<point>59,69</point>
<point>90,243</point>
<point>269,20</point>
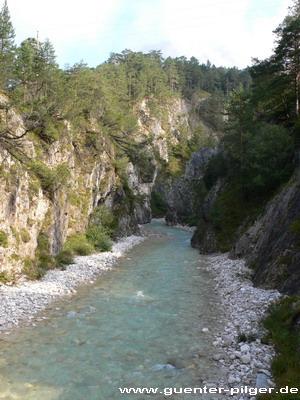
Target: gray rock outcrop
<point>181,194</point>
<point>271,245</point>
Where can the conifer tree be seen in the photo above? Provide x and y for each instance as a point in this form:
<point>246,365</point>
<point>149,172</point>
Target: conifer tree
<point>7,48</point>
<point>287,52</point>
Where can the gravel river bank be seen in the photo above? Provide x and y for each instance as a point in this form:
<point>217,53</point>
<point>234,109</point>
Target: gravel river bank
<point>240,356</point>
<point>19,303</point>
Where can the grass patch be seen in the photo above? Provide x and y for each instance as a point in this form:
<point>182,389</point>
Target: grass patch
<point>64,258</point>
<point>78,244</point>
<point>25,235</point>
<point>3,239</point>
<point>5,277</point>
<point>101,228</point>
<point>283,325</point>
<point>36,268</point>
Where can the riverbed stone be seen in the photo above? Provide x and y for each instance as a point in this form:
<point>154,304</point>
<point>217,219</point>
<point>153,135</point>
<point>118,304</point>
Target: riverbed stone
<point>246,358</point>
<point>245,348</point>
<point>261,380</point>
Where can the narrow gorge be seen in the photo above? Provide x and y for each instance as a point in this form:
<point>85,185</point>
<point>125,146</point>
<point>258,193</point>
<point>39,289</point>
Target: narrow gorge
<point>149,225</point>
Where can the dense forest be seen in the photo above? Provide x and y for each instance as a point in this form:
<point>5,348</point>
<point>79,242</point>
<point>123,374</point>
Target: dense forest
<point>107,95</point>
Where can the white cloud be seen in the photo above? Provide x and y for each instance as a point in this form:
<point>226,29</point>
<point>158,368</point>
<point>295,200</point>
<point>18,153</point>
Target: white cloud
<point>221,30</point>
<point>227,32</point>
<point>72,26</point>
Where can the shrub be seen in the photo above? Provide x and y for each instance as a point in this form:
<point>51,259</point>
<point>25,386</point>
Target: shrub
<point>78,244</point>
<point>101,227</point>
<point>103,216</point>
<point>98,236</point>
<point>3,239</point>
<point>65,257</point>
<point>215,169</point>
<point>50,179</point>
<point>283,326</point>
<point>32,270</point>
<point>5,277</point>
<point>25,235</point>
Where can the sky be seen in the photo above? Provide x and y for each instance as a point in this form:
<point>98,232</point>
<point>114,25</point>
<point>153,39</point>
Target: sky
<point>226,32</point>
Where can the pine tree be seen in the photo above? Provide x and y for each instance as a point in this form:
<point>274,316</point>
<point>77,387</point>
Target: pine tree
<point>7,48</point>
<point>287,52</point>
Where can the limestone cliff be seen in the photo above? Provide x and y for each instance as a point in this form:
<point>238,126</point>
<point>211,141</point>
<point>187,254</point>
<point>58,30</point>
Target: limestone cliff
<point>182,195</point>
<point>52,188</point>
<point>271,245</point>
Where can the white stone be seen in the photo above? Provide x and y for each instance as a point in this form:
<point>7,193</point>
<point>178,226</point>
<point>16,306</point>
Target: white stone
<point>246,358</point>
<point>217,357</point>
<point>245,348</point>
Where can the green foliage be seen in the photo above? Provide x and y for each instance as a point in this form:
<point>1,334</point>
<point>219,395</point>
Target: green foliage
<point>101,228</point>
<point>158,205</point>
<point>31,270</point>
<point>230,210</point>
<point>7,48</point>
<point>99,237</point>
<point>215,169</point>
<point>268,159</point>
<point>283,326</point>
<point>51,180</point>
<point>77,244</point>
<point>145,162</point>
<point>43,259</point>
<point>102,215</point>
<point>47,130</point>
<point>5,277</point>
<point>3,239</point>
<point>36,268</point>
<point>211,110</point>
<point>25,235</point>
<point>64,258</point>
<point>295,228</point>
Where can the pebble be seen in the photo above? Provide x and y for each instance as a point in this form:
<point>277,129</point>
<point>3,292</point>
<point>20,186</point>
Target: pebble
<point>246,358</point>
<point>217,357</point>
<point>243,306</point>
<point>245,348</point>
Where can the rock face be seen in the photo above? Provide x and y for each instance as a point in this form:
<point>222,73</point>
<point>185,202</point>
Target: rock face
<point>52,188</point>
<point>181,195</point>
<point>271,245</point>
<point>204,237</point>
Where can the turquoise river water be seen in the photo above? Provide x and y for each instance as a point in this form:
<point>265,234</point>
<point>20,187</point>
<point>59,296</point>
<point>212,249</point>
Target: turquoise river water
<point>138,326</point>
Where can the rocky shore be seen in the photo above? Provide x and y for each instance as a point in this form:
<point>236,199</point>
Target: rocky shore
<point>21,302</point>
<point>240,352</point>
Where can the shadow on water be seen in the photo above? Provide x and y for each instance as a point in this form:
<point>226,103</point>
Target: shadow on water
<point>138,326</point>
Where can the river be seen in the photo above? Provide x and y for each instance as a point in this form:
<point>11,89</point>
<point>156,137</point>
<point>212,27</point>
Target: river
<point>139,325</point>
